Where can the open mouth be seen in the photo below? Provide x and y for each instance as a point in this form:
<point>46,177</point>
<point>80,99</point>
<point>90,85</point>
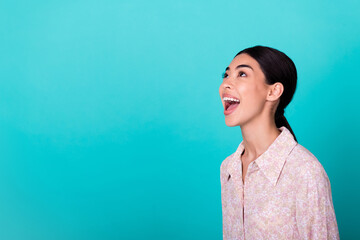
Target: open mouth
<point>229,105</point>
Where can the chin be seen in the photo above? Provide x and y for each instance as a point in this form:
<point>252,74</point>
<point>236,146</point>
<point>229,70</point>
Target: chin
<point>231,123</point>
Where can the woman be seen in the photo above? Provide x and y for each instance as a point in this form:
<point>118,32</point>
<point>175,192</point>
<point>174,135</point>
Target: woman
<point>271,186</point>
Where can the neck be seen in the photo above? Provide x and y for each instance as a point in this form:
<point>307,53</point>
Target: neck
<point>257,138</point>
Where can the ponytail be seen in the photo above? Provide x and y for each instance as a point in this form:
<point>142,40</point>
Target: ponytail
<point>280,120</point>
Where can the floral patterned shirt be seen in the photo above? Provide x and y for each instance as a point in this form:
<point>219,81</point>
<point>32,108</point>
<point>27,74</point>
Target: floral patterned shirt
<point>286,195</point>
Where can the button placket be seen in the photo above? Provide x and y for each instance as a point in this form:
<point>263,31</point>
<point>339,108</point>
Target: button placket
<point>247,178</point>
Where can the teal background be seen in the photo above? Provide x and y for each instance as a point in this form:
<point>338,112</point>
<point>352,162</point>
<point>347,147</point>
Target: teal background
<point>111,121</point>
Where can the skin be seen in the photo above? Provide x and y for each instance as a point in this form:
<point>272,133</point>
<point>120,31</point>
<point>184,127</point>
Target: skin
<point>256,113</point>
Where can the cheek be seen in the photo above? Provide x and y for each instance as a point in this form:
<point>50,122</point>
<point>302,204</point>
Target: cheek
<point>249,92</point>
<point>251,96</point>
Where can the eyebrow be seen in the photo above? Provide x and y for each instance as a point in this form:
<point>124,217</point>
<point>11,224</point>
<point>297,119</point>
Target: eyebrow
<point>239,66</point>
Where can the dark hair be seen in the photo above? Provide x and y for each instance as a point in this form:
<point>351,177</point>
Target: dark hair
<point>277,67</point>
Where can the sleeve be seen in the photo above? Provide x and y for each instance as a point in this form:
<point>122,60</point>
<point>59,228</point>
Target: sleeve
<point>315,214</point>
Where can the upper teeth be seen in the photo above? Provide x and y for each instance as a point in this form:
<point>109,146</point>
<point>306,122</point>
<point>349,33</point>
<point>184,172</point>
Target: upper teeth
<point>230,99</point>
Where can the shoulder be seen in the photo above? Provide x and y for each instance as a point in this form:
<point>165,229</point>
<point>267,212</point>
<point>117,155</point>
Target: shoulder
<point>225,163</point>
<point>224,168</point>
<point>301,156</point>
<point>307,168</point>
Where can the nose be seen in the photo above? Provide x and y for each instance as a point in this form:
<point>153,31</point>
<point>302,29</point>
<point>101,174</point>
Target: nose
<point>226,84</point>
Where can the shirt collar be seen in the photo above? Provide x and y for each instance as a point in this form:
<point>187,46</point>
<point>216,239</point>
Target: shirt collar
<point>272,160</point>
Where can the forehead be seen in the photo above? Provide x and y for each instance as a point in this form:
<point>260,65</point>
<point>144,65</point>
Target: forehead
<point>246,59</point>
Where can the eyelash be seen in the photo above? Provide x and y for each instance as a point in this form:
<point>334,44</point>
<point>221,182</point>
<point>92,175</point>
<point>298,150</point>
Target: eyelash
<point>225,74</point>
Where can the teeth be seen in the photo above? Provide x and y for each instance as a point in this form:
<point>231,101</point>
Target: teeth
<point>230,99</point>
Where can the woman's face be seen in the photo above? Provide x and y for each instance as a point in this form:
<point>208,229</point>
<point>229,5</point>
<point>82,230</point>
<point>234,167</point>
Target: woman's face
<point>245,81</point>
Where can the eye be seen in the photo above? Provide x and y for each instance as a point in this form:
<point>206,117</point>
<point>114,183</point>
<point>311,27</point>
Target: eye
<point>224,75</point>
<point>241,72</point>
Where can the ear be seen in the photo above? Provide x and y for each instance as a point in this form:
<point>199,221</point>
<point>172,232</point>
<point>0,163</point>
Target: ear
<point>275,91</point>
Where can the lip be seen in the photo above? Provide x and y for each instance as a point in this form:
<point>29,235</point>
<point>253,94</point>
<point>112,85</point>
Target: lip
<point>228,95</point>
